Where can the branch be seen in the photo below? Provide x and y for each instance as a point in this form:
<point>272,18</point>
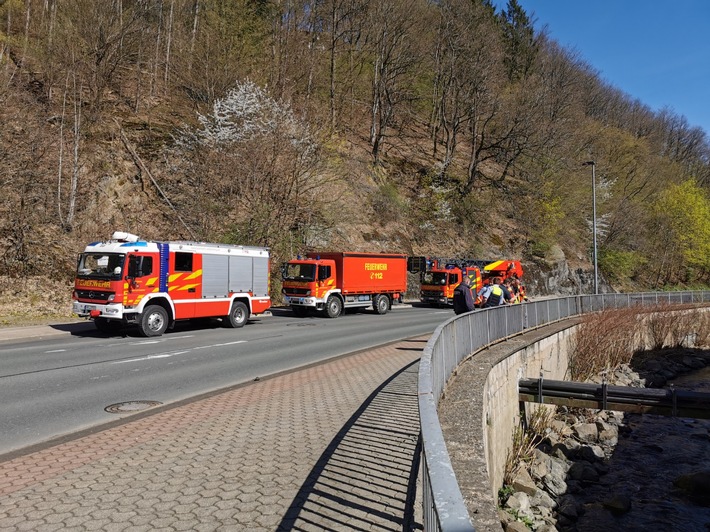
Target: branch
<point>144,170</point>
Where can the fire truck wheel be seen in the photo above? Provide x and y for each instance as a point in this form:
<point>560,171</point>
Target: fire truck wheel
<point>333,307</point>
<point>381,304</point>
<point>154,321</point>
<point>238,316</point>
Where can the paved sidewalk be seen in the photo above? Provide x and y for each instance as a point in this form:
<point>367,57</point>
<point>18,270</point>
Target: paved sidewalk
<point>329,447</point>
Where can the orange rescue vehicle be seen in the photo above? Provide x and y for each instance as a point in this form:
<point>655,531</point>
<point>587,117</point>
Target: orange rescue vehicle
<point>127,280</point>
<point>438,282</point>
<point>502,269</point>
<point>330,282</point>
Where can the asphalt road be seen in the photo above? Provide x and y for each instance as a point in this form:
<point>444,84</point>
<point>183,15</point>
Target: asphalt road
<point>62,384</point>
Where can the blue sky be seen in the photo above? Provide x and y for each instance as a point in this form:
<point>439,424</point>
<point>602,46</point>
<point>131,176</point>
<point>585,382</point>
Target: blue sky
<point>656,51</point>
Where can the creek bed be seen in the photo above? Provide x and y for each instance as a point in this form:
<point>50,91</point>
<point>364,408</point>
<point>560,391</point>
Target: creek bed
<point>648,458</point>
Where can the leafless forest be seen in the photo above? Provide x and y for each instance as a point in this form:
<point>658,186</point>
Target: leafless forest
<point>424,127</point>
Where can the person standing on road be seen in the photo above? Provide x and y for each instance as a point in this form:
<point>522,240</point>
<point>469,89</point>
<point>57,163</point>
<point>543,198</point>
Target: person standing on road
<point>463,298</point>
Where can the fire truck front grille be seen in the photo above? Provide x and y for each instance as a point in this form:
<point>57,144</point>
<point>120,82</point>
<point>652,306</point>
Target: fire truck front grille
<point>93,295</point>
<point>431,293</point>
<point>297,291</point>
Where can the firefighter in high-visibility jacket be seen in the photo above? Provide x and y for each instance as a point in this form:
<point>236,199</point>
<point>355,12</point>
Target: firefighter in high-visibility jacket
<point>495,294</point>
<point>514,287</point>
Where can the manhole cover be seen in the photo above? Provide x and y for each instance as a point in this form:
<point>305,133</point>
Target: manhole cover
<point>130,406</point>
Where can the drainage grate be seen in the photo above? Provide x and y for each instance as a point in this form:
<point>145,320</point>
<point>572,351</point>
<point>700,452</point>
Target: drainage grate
<point>130,406</point>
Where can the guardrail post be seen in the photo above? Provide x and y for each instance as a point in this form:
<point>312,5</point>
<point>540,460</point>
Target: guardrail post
<point>539,389</point>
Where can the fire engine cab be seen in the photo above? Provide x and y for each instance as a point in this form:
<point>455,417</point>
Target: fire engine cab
<point>127,280</point>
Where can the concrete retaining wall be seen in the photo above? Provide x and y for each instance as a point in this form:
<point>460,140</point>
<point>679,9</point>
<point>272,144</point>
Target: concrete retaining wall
<point>468,403</point>
<point>500,394</point>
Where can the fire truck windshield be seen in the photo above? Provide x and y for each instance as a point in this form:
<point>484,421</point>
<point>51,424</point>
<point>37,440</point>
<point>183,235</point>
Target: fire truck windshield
<point>435,278</point>
<point>299,272</point>
<point>101,265</point>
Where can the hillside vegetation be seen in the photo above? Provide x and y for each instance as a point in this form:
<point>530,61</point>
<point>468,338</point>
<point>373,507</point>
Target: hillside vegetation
<point>429,128</point>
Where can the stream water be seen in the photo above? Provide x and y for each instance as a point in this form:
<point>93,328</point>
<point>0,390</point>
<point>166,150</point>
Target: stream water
<point>645,462</point>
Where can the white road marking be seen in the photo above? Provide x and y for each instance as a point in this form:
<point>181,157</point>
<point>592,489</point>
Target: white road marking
<point>229,343</point>
<point>168,355</point>
<point>56,351</point>
<point>148,357</point>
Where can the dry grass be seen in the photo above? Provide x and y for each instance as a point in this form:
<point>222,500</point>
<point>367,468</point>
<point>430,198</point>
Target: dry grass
<point>607,339</point>
<point>34,301</point>
<point>702,334</point>
<point>603,341</point>
<point>525,441</point>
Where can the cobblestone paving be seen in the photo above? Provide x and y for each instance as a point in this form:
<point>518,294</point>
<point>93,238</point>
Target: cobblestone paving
<point>330,447</point>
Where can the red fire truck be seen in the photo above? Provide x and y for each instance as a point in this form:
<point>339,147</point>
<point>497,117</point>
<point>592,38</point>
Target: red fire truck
<point>442,277</point>
<point>127,280</point>
<point>333,281</point>
<point>502,269</point>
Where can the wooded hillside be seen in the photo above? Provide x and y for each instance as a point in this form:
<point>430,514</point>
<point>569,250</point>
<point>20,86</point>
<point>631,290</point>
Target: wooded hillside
<point>429,128</point>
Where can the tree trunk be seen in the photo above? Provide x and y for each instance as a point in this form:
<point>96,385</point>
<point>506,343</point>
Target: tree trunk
<point>168,43</point>
<point>61,155</point>
<point>75,167</point>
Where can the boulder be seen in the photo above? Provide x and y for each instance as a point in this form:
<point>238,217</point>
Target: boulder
<point>586,432</point>
<point>524,483</point>
<point>519,501</point>
<point>554,484</point>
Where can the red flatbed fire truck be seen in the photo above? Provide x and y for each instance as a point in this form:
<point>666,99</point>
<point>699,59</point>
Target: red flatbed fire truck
<point>333,281</point>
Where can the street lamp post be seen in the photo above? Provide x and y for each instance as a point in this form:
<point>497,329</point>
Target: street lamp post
<point>594,222</point>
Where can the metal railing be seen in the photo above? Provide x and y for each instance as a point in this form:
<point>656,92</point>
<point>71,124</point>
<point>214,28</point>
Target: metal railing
<point>443,504</point>
<point>603,396</point>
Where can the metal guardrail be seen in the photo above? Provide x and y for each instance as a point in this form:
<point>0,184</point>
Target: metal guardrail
<point>443,504</point>
<point>660,401</point>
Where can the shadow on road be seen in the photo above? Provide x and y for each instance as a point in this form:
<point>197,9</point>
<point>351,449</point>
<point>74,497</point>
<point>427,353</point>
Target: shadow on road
<point>366,478</point>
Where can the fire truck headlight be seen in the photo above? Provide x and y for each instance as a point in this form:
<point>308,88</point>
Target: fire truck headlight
<point>111,311</point>
<point>75,295</point>
<point>111,297</point>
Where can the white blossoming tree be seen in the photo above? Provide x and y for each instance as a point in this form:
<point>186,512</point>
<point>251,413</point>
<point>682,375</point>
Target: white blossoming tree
<point>256,166</point>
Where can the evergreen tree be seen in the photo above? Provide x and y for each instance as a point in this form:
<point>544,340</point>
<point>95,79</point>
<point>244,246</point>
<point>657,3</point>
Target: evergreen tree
<point>519,41</point>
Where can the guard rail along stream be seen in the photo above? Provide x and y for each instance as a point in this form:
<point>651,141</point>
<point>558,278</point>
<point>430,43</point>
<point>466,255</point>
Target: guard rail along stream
<point>453,341</point>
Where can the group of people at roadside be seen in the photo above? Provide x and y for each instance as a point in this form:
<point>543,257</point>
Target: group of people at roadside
<point>493,294</point>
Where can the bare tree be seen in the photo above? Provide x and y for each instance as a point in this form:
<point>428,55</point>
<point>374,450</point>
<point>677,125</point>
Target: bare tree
<point>67,219</point>
<point>346,17</point>
<point>391,36</point>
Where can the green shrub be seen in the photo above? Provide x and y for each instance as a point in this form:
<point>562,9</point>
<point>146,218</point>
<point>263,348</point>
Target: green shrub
<point>617,265</point>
